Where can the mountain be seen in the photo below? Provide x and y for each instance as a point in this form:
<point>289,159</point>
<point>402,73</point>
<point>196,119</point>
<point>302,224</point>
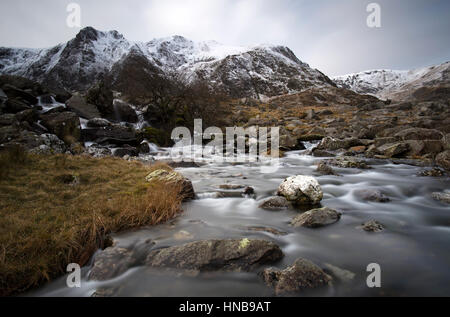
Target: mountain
<point>94,55</point>
<point>395,84</point>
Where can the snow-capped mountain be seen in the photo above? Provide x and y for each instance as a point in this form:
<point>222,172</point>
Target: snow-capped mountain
<point>395,83</point>
<point>92,55</point>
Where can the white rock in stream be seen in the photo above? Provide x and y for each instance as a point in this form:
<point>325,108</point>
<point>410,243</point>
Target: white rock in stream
<point>303,190</point>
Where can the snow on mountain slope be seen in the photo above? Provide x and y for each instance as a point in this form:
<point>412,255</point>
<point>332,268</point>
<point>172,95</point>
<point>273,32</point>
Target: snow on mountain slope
<point>394,83</point>
<point>91,55</point>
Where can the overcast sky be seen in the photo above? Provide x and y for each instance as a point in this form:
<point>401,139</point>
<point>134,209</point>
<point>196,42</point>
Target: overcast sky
<point>330,35</point>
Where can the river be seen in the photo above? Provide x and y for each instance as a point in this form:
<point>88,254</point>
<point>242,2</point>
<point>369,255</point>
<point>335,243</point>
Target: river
<point>413,251</point>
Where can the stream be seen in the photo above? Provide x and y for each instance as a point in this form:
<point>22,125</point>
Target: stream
<point>413,251</point>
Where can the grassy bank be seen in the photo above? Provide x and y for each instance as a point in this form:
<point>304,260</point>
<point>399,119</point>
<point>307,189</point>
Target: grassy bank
<point>58,209</point>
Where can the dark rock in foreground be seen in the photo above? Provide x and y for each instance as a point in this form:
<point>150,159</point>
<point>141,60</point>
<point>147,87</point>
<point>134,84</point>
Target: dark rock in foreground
<point>213,255</point>
<point>302,275</point>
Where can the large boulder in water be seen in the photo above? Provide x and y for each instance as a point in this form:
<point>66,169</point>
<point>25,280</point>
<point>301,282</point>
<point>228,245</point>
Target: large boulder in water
<point>301,190</point>
<point>172,177</point>
<point>300,276</point>
<point>213,255</point>
<point>316,218</point>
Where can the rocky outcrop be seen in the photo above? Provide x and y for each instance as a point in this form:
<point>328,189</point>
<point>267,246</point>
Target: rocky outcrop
<point>301,190</point>
<point>213,255</point>
<point>316,218</point>
<point>300,276</point>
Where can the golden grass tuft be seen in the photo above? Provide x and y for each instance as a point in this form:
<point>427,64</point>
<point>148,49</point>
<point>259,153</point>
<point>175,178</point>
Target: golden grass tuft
<point>56,210</point>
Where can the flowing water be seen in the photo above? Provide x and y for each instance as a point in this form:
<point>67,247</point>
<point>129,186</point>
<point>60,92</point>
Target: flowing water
<point>413,251</point>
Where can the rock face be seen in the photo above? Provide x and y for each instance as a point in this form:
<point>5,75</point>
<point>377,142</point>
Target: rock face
<point>213,255</point>
<point>300,276</point>
<point>316,218</point>
<point>301,190</point>
<point>187,190</point>
<point>275,203</point>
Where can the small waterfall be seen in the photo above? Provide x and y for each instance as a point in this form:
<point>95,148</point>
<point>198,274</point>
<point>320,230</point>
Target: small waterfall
<point>48,103</point>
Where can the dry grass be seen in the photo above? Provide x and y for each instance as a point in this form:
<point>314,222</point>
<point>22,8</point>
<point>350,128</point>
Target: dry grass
<point>59,209</point>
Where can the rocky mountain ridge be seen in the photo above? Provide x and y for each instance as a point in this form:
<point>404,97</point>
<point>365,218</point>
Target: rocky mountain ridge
<point>93,55</point>
<point>395,84</point>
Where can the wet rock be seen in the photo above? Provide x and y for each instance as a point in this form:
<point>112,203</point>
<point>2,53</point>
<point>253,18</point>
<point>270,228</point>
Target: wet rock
<point>348,162</point>
<point>371,195</point>
<point>393,149</point>
<point>123,151</point>
<point>273,231</point>
<point>302,275</point>
<point>78,104</point>
<point>66,125</point>
<point>114,134</point>
<point>372,226</point>
<point>231,186</point>
<point>216,255</point>
<point>301,190</point>
<point>333,144</point>
<point>124,112</point>
<point>444,197</point>
<point>248,191</point>
<point>316,218</point>
<point>183,235</point>
<point>187,190</point>
<point>111,263</point>
<point>324,169</point>
<point>322,153</point>
<point>443,160</point>
<point>275,203</point>
<point>98,123</point>
<point>434,172</point>
<point>339,273</point>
